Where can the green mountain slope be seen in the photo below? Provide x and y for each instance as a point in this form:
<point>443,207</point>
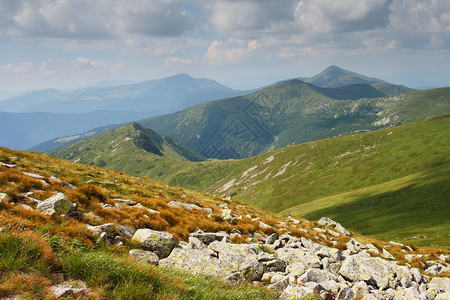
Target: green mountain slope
<point>130,148</point>
<point>397,176</point>
<point>293,112</point>
<point>333,76</point>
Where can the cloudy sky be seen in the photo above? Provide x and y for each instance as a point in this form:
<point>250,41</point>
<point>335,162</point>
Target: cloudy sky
<point>65,44</point>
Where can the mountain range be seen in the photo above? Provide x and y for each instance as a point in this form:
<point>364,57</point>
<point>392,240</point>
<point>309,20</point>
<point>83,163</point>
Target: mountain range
<point>293,112</point>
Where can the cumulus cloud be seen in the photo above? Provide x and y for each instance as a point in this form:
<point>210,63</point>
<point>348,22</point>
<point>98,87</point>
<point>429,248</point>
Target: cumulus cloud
<point>240,16</point>
<point>231,51</point>
<point>92,19</point>
<point>16,68</point>
<point>177,60</point>
<point>92,65</point>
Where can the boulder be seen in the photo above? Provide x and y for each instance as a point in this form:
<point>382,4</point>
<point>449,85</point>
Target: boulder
<point>159,242</point>
<point>294,291</point>
<point>338,227</point>
<point>144,256</point>
<point>209,237</point>
<point>4,197</point>
<point>221,260</point>
<point>56,204</point>
<point>67,291</point>
<point>385,254</point>
<point>107,228</point>
<point>374,270</point>
<point>125,231</point>
<point>190,206</point>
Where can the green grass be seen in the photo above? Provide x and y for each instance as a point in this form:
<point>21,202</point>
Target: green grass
<point>29,266</point>
<point>411,209</point>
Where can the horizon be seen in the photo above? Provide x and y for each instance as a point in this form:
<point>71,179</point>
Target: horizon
<point>240,44</point>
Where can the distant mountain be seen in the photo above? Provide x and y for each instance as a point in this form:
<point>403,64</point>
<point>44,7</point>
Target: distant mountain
<point>293,112</point>
<point>334,76</point>
<point>24,130</point>
<point>67,140</point>
<point>131,148</point>
<point>155,96</point>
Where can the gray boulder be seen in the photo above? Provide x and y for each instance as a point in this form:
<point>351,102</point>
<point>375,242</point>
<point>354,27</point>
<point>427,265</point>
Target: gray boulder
<point>159,242</point>
<point>294,291</point>
<point>125,231</point>
<point>56,204</point>
<point>190,206</point>
<point>209,237</point>
<point>144,256</point>
<point>374,270</point>
<point>338,227</point>
<point>107,228</point>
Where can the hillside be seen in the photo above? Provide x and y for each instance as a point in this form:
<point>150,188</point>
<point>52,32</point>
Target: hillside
<point>322,178</point>
<point>75,231</point>
<point>130,148</point>
<point>398,175</point>
<point>293,112</point>
<point>333,76</point>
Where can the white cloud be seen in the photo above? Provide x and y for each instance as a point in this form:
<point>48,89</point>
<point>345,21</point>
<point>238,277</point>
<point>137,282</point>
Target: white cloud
<point>177,60</point>
<point>92,65</point>
<point>231,51</point>
<point>16,68</point>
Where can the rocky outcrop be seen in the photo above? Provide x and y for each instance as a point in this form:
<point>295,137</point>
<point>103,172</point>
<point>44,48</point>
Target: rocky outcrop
<point>189,206</point>
<point>158,242</point>
<point>338,227</point>
<point>56,204</point>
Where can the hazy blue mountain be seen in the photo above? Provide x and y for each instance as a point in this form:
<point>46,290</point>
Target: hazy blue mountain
<point>155,96</point>
<point>24,130</point>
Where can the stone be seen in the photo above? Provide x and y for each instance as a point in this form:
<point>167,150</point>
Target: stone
<point>227,215</point>
<point>220,260</point>
<point>387,255</point>
<point>294,291</point>
<point>338,227</point>
<point>316,275</point>
<point>125,231</point>
<point>279,286</point>
<point>439,284</point>
<point>159,242</point>
<point>363,267</point>
<point>144,256</point>
<point>190,206</point>
<point>56,204</point>
<point>4,197</point>
<point>209,237</point>
<point>124,201</point>
<point>272,238</point>
<point>107,228</point>
<point>66,291</point>
<point>443,296</point>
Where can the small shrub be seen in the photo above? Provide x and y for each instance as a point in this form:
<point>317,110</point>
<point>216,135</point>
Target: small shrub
<point>89,194</point>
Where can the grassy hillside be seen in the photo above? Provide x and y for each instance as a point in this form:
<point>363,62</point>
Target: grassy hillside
<point>293,112</point>
<point>38,251</point>
<point>297,177</point>
<point>131,149</point>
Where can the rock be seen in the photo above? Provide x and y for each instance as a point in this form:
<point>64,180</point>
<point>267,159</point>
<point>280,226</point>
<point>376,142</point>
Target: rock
<point>346,294</point>
<point>439,285</point>
<point>67,291</point>
<point>125,231</point>
<point>316,275</point>
<point>354,246</point>
<point>144,256</point>
<point>220,260</point>
<point>65,184</point>
<point>294,291</point>
<point>56,204</point>
<point>209,237</point>
<point>190,206</point>
<point>32,175</point>
<point>363,267</point>
<point>338,227</point>
<point>195,243</point>
<point>107,228</point>
<point>272,238</point>
<point>436,269</point>
<point>279,286</point>
<point>4,197</point>
<point>258,238</point>
<point>227,215</point>
<point>387,255</point>
<point>124,201</point>
<point>152,211</point>
<point>159,242</point>
<point>443,296</point>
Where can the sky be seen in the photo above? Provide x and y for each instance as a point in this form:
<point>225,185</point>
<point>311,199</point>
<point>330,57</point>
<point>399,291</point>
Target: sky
<point>67,44</point>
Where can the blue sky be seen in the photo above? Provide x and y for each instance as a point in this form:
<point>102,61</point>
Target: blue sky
<point>65,44</point>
